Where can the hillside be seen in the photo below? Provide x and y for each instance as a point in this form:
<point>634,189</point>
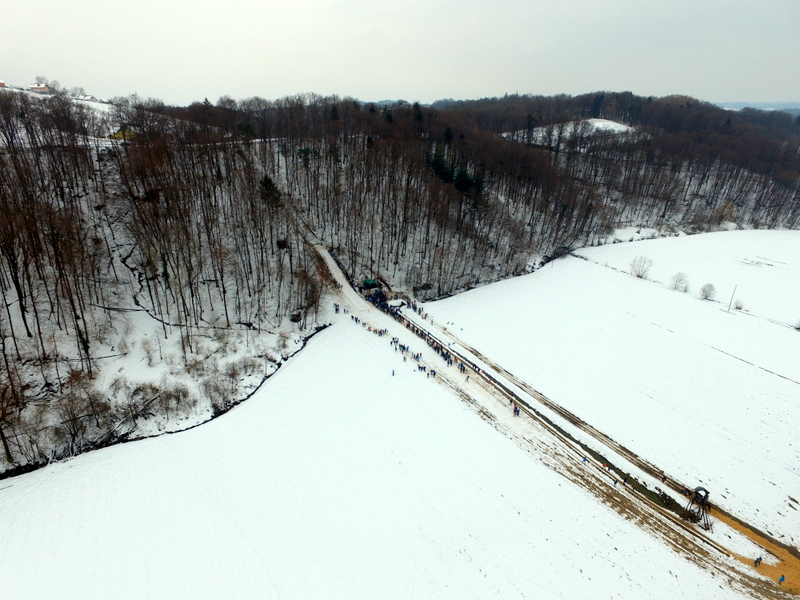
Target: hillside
<point>179,239</point>
<point>339,479</point>
<point>707,395</point>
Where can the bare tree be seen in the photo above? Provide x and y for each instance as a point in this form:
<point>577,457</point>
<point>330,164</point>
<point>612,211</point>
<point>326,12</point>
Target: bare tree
<point>640,267</point>
<point>708,291</point>
<point>680,282</point>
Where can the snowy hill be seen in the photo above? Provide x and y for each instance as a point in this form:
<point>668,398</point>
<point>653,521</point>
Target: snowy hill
<point>123,230</point>
<point>352,473</point>
<point>565,131</point>
<point>707,395</point>
<point>337,480</point>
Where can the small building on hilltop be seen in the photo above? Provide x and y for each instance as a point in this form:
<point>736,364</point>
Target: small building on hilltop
<point>39,88</point>
<point>2,83</point>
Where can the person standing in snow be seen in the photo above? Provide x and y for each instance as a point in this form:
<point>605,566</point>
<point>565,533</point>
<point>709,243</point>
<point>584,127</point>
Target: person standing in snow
<point>781,580</point>
<point>757,563</point>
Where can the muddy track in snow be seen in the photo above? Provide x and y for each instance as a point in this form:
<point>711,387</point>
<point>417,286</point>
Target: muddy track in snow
<point>683,537</point>
<point>621,450</point>
<point>577,449</point>
<point>680,535</point>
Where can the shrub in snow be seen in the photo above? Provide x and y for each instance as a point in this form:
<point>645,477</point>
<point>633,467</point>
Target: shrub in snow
<point>149,351</point>
<point>640,267</point>
<point>232,373</point>
<point>283,343</point>
<point>215,391</point>
<point>174,398</point>
<point>708,291</point>
<point>680,282</point>
<point>738,305</point>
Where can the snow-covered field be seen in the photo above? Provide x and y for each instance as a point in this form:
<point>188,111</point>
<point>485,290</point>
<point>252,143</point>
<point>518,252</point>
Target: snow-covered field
<point>337,479</point>
<point>351,474</point>
<point>710,396</point>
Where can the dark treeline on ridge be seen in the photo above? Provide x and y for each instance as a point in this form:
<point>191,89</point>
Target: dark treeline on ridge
<point>680,127</point>
<point>201,219</point>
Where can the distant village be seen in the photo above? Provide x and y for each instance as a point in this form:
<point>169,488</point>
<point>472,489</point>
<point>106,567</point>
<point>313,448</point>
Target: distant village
<point>44,88</point>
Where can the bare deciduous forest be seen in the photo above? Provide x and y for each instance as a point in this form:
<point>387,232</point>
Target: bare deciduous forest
<point>148,227</point>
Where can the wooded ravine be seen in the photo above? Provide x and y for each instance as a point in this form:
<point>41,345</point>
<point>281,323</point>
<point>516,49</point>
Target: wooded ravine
<point>180,238</point>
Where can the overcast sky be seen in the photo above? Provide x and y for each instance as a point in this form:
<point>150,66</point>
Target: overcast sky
<point>185,50</point>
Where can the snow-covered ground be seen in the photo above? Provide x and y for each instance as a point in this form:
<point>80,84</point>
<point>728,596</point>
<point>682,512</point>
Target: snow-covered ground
<point>708,395</point>
<point>759,269</point>
<point>98,105</point>
<point>564,131</point>
<point>336,480</point>
<point>606,125</point>
<point>352,474</point>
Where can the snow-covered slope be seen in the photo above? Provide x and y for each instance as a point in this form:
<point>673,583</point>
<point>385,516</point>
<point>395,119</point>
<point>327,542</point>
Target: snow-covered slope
<point>610,126</point>
<point>564,131</point>
<point>709,396</point>
<point>758,269</point>
<point>337,479</point>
